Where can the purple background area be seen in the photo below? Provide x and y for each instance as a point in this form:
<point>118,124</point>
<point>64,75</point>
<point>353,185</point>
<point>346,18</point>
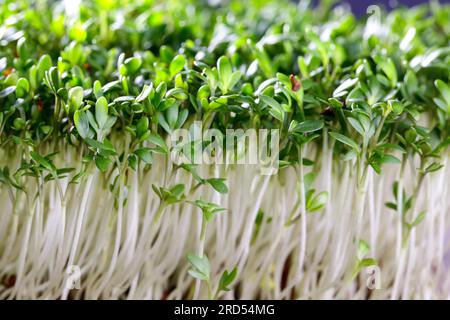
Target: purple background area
<point>359,6</point>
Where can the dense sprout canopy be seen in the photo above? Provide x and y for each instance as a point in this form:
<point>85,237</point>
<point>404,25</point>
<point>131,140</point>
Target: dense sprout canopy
<point>148,58</point>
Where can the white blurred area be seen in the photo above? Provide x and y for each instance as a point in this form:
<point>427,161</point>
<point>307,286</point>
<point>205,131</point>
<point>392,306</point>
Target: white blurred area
<point>72,8</point>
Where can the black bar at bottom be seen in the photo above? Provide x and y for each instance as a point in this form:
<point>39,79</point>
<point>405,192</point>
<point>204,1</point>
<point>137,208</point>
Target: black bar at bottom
<point>186,310</point>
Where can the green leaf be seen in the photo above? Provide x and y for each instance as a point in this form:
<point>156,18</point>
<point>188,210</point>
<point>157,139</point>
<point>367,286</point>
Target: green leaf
<point>81,123</point>
<point>44,162</point>
<point>395,106</point>
<point>444,89</point>
<point>276,110</point>
<point>172,195</point>
<point>341,90</point>
<point>158,141</point>
<point>76,98</point>
<point>102,163</point>
<point>132,65</point>
<point>308,126</point>
<point>391,205</point>
<point>157,191</point>
<point>388,67</point>
<point>235,77</point>
<point>142,127</point>
<point>177,190</point>
<point>264,62</point>
<point>63,94</point>
<point>161,90</point>
<point>367,262</point>
<point>146,90</point>
<point>92,121</point>
<point>227,278</point>
<point>303,66</point>
<point>78,32</point>
<point>132,161</point>
<point>418,219</point>
<point>22,49</point>
<point>97,89</point>
<point>411,135</point>
<point>44,64</point>
<point>172,115</point>
<point>198,275</point>
<point>387,158</point>
<point>106,147</point>
<point>335,102</point>
<point>19,123</point>
<point>225,73</point>
<point>51,79</point>
<point>345,140</point>
<point>363,249</point>
<point>209,209</point>
<point>177,64</point>
<point>218,184</point>
<point>356,125</point>
<point>123,99</point>
<point>22,87</point>
<point>200,267</point>
<point>433,167</point>
<point>145,154</point>
<point>101,112</point>
<point>110,86</point>
<point>224,68</point>
<point>182,116</point>
<point>318,202</point>
<point>109,123</point>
